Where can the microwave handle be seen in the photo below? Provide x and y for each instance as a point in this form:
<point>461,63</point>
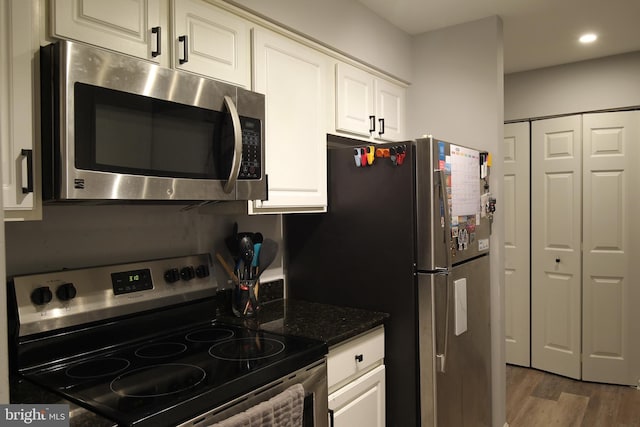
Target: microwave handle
<point>237,151</point>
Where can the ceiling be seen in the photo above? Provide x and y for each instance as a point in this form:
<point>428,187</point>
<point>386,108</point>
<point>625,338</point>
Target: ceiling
<point>537,33</point>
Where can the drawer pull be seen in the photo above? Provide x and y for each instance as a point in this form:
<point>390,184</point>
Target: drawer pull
<point>359,357</point>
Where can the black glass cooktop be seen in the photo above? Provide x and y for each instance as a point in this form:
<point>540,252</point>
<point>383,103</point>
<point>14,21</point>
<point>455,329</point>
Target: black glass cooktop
<point>169,379</point>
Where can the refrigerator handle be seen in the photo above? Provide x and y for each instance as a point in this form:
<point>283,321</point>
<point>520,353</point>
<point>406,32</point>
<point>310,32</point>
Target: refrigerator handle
<point>441,357</point>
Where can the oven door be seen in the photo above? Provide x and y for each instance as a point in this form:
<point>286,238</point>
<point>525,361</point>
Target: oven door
<point>125,129</point>
<point>315,412</point>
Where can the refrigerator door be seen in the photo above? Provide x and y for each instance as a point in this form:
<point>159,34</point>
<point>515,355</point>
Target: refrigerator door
<point>448,175</point>
<point>455,346</point>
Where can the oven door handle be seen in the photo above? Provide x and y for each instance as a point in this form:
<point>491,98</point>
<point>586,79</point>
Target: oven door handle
<point>237,140</point>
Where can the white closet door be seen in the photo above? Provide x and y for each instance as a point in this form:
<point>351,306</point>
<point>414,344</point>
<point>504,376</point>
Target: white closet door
<point>517,243</point>
<point>611,289</point>
<point>556,240</point>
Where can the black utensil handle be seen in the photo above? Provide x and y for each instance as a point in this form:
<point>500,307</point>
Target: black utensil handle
<point>185,49</point>
<point>158,32</point>
<point>29,155</point>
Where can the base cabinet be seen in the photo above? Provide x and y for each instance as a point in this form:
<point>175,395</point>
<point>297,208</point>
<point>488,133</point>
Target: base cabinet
<point>356,381</point>
<point>360,402</point>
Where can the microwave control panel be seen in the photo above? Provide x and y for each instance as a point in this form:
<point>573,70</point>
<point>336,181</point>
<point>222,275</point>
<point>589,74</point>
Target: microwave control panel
<point>251,166</point>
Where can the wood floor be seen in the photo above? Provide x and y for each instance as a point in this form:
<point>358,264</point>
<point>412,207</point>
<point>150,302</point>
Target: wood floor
<point>540,399</point>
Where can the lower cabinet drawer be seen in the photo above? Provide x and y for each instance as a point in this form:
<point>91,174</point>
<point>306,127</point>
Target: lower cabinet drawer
<point>348,360</point>
<point>360,402</point>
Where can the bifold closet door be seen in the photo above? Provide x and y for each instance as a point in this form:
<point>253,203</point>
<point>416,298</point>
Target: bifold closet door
<point>611,247</point>
<point>517,243</point>
<point>556,212</point>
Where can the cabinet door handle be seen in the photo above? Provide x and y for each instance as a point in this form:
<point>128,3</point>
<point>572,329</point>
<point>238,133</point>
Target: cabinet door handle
<point>331,419</point>
<point>185,49</point>
<point>381,127</point>
<point>359,357</point>
<point>158,32</point>
<point>372,124</point>
<point>29,155</point>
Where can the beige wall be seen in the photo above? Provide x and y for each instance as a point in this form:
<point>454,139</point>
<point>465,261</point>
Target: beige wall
<point>599,84</point>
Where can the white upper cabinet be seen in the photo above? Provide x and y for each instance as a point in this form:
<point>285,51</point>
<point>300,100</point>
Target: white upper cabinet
<point>294,79</point>
<point>368,106</point>
<point>129,26</point>
<point>355,103</point>
<point>19,123</point>
<point>211,42</point>
<point>203,38</point>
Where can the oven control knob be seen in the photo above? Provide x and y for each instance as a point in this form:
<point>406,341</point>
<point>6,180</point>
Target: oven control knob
<point>187,273</point>
<point>202,271</point>
<point>172,275</point>
<point>41,295</point>
<point>66,292</point>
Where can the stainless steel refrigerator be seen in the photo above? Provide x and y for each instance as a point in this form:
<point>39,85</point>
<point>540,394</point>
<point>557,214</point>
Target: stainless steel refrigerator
<point>408,234</point>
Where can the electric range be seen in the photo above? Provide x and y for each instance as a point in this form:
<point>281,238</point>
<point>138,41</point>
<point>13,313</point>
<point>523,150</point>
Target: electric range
<point>140,344</point>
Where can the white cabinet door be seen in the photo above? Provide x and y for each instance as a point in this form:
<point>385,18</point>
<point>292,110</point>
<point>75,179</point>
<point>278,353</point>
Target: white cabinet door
<point>368,106</point>
<point>517,250</point>
<point>18,123</point>
<point>390,101</point>
<point>556,282</point>
<point>122,25</point>
<point>355,100</point>
<point>611,208</point>
<point>294,79</point>
<point>361,402</point>
<point>214,42</point>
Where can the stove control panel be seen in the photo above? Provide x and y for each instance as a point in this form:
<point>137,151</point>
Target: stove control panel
<point>60,299</point>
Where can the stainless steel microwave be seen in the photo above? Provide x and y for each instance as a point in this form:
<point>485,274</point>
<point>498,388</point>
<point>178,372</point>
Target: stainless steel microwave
<point>120,128</point>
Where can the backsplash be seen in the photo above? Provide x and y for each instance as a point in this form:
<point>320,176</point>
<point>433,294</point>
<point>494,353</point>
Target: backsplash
<point>73,236</point>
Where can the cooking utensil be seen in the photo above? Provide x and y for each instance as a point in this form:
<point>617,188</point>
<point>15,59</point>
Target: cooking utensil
<point>268,252</point>
<point>227,268</point>
<point>257,246</point>
<point>246,255</point>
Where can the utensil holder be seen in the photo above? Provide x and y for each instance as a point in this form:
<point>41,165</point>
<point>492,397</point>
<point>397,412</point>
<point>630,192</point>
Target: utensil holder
<point>245,301</point>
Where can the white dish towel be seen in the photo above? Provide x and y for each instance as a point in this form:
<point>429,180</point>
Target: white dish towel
<point>282,410</point>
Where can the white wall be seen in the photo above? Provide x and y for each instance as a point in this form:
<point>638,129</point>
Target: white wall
<point>457,95</point>
<point>600,84</point>
<point>347,26</point>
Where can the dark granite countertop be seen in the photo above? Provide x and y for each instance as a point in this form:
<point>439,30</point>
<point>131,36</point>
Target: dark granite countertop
<point>329,323</point>
<point>332,324</point>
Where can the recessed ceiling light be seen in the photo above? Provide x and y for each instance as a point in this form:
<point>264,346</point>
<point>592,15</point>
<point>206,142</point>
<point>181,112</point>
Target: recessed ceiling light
<point>588,38</point>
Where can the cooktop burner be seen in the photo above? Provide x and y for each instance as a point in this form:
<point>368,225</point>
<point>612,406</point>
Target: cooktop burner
<point>209,334</point>
<point>240,349</point>
<point>97,368</point>
<point>158,380</point>
<point>161,350</point>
